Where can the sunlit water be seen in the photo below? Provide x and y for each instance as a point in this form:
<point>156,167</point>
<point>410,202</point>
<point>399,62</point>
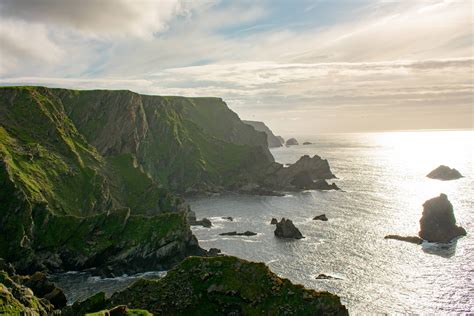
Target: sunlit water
<point>384,183</point>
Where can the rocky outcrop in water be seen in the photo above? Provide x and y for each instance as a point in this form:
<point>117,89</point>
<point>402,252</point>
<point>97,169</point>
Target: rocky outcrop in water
<point>229,218</point>
<point>286,229</point>
<point>273,141</point>
<point>411,239</point>
<point>291,142</point>
<point>438,223</point>
<point>444,173</point>
<point>246,233</point>
<point>321,217</point>
<point>304,174</point>
<point>224,286</point>
<point>323,276</point>
<point>203,222</point>
<point>274,221</point>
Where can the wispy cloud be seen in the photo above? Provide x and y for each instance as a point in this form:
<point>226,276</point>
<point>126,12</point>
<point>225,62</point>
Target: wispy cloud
<point>270,60</point>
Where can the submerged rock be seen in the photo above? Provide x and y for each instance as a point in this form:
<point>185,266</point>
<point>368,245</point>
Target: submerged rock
<point>274,221</point>
<point>412,239</point>
<point>444,173</point>
<point>286,229</point>
<point>291,142</point>
<point>307,143</point>
<point>229,218</point>
<point>224,286</point>
<point>321,217</point>
<point>438,223</point>
<point>247,233</point>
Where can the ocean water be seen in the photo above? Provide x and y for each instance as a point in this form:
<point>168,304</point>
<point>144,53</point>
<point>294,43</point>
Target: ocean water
<point>384,186</point>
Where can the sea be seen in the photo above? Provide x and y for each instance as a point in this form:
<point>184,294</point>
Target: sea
<point>384,184</point>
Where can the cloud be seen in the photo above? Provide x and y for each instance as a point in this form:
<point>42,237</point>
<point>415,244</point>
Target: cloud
<point>104,17</point>
<point>270,60</point>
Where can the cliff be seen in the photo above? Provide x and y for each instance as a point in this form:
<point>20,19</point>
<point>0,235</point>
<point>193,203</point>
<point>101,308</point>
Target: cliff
<point>184,144</point>
<point>221,286</point>
<point>66,206</point>
<point>273,141</point>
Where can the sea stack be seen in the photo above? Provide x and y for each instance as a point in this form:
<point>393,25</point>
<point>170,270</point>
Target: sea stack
<point>438,223</point>
<point>444,173</point>
<point>291,142</point>
<point>286,229</point>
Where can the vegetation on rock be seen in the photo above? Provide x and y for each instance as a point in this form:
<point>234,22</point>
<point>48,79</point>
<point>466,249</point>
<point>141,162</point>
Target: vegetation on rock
<point>223,285</point>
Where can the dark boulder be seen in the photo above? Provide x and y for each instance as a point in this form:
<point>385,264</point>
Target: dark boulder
<point>43,288</point>
<point>286,229</point>
<point>321,217</point>
<point>274,221</point>
<point>291,142</point>
<point>438,223</point>
<point>247,233</point>
<point>203,222</point>
<point>444,173</point>
<point>323,276</point>
<point>412,239</point>
<point>213,252</point>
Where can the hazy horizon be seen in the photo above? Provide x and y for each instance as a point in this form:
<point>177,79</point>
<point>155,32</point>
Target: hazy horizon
<point>302,67</point>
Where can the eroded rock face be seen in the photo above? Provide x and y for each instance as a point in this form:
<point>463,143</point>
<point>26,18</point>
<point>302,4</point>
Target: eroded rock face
<point>444,173</point>
<point>286,229</point>
<point>438,223</point>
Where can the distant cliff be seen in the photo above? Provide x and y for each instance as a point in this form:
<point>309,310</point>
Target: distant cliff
<point>273,141</point>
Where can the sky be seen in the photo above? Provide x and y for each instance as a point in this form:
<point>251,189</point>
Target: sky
<point>301,66</point>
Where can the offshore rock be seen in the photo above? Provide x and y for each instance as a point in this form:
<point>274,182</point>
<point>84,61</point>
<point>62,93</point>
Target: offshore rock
<point>412,239</point>
<point>291,142</point>
<point>321,217</point>
<point>247,233</point>
<point>438,223</point>
<point>444,173</point>
<point>274,221</point>
<point>286,229</point>
<point>205,222</point>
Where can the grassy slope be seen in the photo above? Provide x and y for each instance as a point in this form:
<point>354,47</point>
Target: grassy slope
<point>219,285</point>
<point>57,189</point>
<point>181,143</point>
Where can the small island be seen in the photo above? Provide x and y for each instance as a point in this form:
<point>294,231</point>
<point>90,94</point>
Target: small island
<point>444,173</point>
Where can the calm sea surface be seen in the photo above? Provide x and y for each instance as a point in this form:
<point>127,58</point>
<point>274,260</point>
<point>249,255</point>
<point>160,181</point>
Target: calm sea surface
<point>384,183</point>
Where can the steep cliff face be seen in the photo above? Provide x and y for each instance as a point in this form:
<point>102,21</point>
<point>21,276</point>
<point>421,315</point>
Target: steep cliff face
<point>62,202</point>
<point>273,141</point>
<point>185,144</point>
